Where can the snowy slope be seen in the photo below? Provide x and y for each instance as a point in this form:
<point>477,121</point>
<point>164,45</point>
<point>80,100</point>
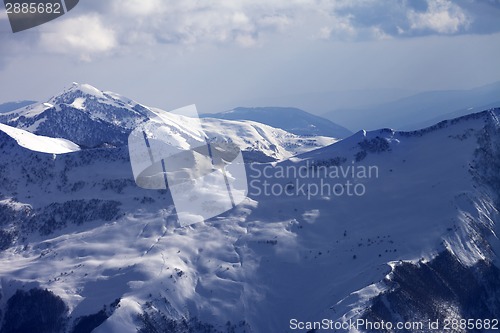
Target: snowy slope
<point>292,120</point>
<point>39,143</point>
<point>77,225</point>
<point>258,138</point>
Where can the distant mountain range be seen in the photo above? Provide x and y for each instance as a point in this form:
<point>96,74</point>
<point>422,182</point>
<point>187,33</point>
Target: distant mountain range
<point>382,225</point>
<point>450,115</point>
<point>292,120</point>
<point>11,106</point>
<point>417,110</point>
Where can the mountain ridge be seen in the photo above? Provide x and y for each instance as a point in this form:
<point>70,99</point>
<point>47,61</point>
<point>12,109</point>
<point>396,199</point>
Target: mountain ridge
<point>416,109</point>
<point>290,119</point>
<point>93,118</point>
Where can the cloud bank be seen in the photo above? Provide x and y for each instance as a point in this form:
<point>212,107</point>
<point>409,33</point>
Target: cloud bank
<point>96,28</point>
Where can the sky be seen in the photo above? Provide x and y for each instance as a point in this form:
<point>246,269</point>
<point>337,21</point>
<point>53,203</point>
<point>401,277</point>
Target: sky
<point>223,54</point>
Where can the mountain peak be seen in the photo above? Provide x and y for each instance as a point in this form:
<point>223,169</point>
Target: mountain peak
<point>79,93</point>
<point>87,89</point>
<point>81,113</point>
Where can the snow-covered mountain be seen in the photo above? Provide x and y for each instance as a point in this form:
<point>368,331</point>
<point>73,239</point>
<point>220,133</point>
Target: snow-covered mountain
<point>93,118</point>
<point>383,225</point>
<point>82,114</point>
<point>292,120</point>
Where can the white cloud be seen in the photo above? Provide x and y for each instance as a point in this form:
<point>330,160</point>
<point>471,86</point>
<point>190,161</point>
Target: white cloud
<point>442,16</point>
<point>246,40</point>
<point>378,33</point>
<point>339,29</point>
<point>139,8</point>
<point>84,35</point>
<point>275,22</point>
<point>342,27</point>
<point>99,27</point>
